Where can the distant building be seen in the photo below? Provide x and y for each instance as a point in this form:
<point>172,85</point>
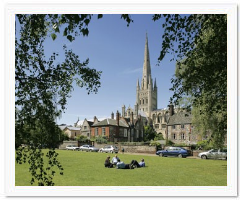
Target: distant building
<point>179,128</point>
<point>72,132</point>
<point>119,130</point>
<point>86,127</point>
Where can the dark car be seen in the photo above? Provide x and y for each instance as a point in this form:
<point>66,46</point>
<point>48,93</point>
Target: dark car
<point>174,151</point>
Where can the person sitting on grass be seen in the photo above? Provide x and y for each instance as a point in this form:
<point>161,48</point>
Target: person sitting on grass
<point>115,160</point>
<point>135,163</point>
<point>108,163</point>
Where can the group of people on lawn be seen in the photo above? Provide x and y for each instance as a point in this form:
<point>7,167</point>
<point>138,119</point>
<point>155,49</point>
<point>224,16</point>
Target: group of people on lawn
<point>121,165</point>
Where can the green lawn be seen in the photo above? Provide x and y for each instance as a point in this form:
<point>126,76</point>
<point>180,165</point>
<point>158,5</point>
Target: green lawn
<point>87,169</point>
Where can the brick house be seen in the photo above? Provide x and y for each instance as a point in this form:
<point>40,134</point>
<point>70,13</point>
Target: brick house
<point>118,130</point>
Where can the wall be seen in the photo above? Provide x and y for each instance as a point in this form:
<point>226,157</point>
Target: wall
<point>131,148</point>
<point>65,143</point>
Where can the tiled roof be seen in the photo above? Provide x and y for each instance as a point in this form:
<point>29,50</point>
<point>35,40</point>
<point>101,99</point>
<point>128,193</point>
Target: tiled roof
<point>62,127</point>
<point>90,123</point>
<point>111,122</point>
<point>180,118</point>
<point>73,128</point>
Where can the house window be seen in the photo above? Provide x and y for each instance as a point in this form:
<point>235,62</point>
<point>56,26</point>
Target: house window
<point>143,101</point>
<point>146,100</point>
<point>85,127</point>
<point>103,131</point>
<point>140,101</point>
<point>174,136</point>
<point>75,134</point>
<point>182,126</point>
<point>173,127</point>
<point>96,131</point>
<point>182,136</point>
<point>156,125</point>
<point>125,132</point>
<point>163,125</point>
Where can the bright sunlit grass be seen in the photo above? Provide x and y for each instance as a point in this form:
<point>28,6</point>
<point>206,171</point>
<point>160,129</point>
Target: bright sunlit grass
<point>87,169</point>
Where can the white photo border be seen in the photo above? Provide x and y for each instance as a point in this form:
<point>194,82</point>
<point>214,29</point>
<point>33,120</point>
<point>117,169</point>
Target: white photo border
<point>97,8</point>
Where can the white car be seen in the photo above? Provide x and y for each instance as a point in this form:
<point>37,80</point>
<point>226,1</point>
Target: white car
<point>214,154</point>
<point>109,149</point>
<point>89,148</point>
<point>72,147</point>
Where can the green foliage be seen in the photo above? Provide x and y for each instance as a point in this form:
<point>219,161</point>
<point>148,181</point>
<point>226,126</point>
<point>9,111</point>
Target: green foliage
<point>82,138</point>
<point>43,84</point>
<point>35,157</point>
<point>149,133</point>
<point>198,43</point>
<point>101,139</point>
<point>169,143</point>
<point>205,145</point>
<point>158,137</point>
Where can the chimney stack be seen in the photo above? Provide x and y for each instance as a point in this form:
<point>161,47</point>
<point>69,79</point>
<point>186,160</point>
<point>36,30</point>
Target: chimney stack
<point>117,118</point>
<point>171,110</point>
<point>131,118</point>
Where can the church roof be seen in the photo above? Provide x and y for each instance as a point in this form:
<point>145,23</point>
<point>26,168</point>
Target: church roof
<point>180,118</point>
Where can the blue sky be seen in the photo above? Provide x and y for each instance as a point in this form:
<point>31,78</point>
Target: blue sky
<point>117,51</point>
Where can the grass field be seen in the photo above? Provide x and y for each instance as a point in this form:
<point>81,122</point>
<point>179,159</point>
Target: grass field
<point>87,169</point>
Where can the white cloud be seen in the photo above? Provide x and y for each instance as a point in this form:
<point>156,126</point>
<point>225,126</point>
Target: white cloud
<point>132,71</point>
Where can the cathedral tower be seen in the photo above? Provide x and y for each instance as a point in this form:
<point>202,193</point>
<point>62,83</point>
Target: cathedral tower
<point>146,97</point>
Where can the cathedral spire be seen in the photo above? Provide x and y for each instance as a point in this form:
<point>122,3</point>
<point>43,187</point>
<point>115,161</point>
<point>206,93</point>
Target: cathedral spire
<point>146,64</point>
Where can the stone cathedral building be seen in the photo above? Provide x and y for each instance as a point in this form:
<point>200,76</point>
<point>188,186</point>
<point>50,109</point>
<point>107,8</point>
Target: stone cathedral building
<point>146,102</point>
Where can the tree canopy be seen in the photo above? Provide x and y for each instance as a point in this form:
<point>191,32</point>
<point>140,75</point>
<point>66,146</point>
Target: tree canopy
<point>198,44</point>
<point>43,84</point>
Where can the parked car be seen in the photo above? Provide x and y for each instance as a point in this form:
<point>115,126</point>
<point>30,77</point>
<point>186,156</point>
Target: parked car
<point>72,147</point>
<point>174,151</point>
<point>109,149</point>
<point>89,148</point>
<point>214,154</point>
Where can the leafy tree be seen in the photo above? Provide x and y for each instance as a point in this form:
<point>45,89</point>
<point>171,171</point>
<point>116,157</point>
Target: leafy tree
<point>149,133</point>
<point>82,138</point>
<point>43,84</point>
<point>198,43</point>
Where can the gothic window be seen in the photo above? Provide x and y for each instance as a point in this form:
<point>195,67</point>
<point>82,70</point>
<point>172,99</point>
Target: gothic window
<point>182,126</point>
<point>157,126</point>
<point>140,101</point>
<point>173,126</point>
<point>75,134</point>
<point>143,101</point>
<point>146,100</point>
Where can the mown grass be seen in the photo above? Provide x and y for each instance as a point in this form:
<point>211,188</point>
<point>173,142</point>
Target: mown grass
<point>87,169</point>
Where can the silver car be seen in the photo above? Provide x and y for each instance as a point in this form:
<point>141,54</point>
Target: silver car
<point>109,149</point>
<point>72,147</point>
<point>214,154</point>
<point>89,148</point>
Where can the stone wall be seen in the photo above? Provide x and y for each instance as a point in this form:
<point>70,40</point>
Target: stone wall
<point>131,148</point>
<point>65,143</point>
